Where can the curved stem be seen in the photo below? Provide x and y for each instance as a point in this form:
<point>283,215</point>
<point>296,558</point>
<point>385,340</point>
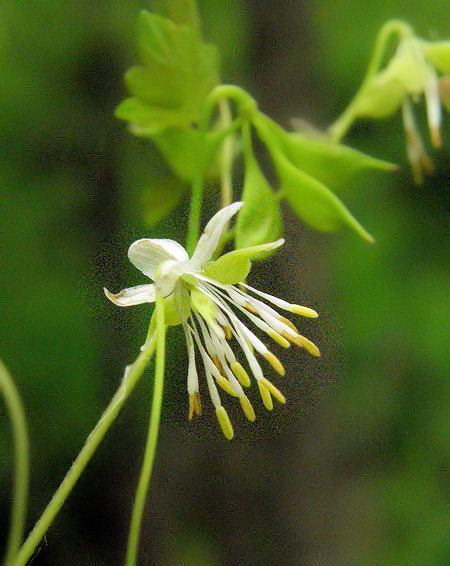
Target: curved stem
<point>152,437</point>
<point>226,160</point>
<point>21,463</point>
<point>129,381</point>
<point>247,105</point>
<point>340,127</point>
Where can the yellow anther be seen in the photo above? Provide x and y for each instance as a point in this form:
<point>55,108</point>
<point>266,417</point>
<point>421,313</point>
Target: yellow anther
<point>265,395</point>
<point>217,363</point>
<point>287,322</point>
<point>247,408</point>
<point>241,374</point>
<point>195,405</point>
<point>273,390</point>
<point>225,423</point>
<point>275,363</point>
<point>303,311</point>
<point>250,308</point>
<point>278,338</point>
<point>303,342</point>
<point>228,333</point>
<point>226,385</point>
<point>198,404</point>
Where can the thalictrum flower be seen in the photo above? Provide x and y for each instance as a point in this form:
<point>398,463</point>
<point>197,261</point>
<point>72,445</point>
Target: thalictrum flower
<point>205,297</point>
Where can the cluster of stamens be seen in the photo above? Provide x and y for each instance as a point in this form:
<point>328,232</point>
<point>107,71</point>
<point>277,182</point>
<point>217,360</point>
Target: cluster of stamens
<point>209,331</point>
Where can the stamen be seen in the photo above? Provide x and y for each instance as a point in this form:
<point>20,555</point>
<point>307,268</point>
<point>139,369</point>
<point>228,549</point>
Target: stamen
<point>303,342</point>
<point>287,322</point>
<point>273,390</point>
<point>228,333</point>
<point>279,339</point>
<point>195,405</point>
<point>303,311</point>
<point>226,385</point>
<point>275,363</point>
<point>225,423</point>
<point>241,374</point>
<point>247,408</point>
<point>265,395</point>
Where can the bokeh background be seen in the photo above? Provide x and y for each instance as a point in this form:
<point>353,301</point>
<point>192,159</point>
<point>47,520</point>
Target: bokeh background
<point>354,470</point>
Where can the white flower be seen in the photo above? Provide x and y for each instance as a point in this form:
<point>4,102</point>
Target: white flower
<point>202,296</point>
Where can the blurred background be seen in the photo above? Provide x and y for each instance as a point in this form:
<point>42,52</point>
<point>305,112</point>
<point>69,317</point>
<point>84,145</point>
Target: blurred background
<point>354,469</point>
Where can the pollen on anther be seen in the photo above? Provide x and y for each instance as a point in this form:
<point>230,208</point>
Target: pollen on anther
<point>226,385</point>
<point>195,405</point>
<point>274,390</point>
<point>303,342</point>
<point>275,363</point>
<point>241,374</point>
<point>247,408</point>
<point>265,395</point>
<point>225,423</point>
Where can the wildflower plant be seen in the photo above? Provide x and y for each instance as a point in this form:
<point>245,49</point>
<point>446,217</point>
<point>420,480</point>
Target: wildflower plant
<point>201,126</point>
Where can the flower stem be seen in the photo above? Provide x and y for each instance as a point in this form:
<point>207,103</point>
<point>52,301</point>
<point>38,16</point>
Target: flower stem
<point>247,107</point>
<point>129,381</point>
<point>21,463</point>
<point>152,437</point>
<point>226,158</point>
<point>339,128</point>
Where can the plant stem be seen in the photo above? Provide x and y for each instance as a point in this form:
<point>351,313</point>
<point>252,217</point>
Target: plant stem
<point>152,437</point>
<point>129,381</point>
<point>226,158</point>
<point>21,463</point>
<point>340,127</point>
<point>247,106</point>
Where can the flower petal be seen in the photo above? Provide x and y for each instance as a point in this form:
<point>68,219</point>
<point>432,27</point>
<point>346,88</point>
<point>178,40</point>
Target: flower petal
<point>132,295</point>
<point>147,255</point>
<point>212,233</point>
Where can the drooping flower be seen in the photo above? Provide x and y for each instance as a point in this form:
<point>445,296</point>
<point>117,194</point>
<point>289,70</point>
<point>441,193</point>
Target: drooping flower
<point>204,296</point>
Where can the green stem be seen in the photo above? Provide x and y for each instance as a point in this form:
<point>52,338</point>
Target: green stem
<point>21,463</point>
<point>247,106</point>
<point>152,437</point>
<point>226,158</point>
<point>340,127</point>
<point>129,381</point>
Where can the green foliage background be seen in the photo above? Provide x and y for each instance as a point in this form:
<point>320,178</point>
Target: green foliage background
<point>353,470</point>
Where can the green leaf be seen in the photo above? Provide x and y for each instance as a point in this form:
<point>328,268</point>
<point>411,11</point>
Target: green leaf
<point>160,197</point>
<point>184,149</point>
<point>147,120</point>
<point>313,201</point>
<point>170,88</point>
<point>259,220</point>
<point>438,54</point>
<point>333,164</point>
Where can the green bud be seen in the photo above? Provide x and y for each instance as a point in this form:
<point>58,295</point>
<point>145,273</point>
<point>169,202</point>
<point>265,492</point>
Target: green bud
<point>333,164</point>
<point>313,201</point>
<point>438,54</point>
<point>259,221</point>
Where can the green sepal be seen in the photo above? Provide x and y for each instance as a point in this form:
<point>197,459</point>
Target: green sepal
<point>405,74</point>
<point>233,267</point>
<point>148,120</point>
<point>176,308</point>
<point>438,54</point>
<point>333,164</point>
<point>203,305</point>
<point>259,221</point>
<point>312,201</point>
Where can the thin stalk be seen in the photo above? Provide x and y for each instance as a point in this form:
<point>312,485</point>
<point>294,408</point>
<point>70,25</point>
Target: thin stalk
<point>129,381</point>
<point>226,158</point>
<point>247,105</point>
<point>152,437</point>
<point>340,127</point>
<point>21,463</point>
